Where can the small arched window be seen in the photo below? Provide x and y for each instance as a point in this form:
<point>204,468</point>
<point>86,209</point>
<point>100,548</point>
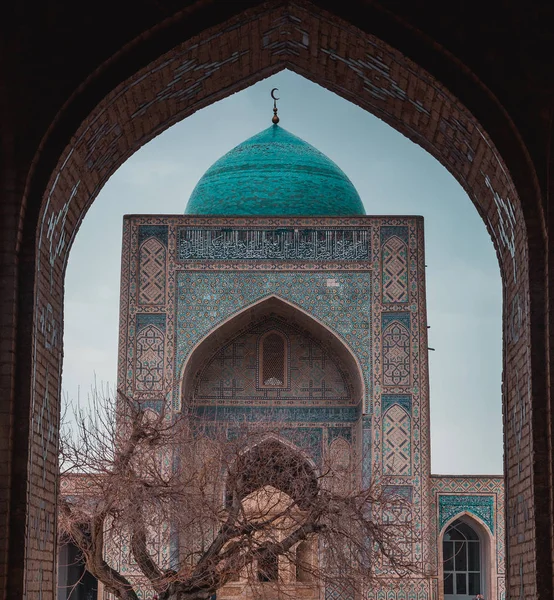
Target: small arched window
<point>273,360</point>
<point>303,562</point>
<point>461,549</point>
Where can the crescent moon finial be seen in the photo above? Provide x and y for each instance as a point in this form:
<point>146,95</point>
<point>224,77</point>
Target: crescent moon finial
<point>275,118</point>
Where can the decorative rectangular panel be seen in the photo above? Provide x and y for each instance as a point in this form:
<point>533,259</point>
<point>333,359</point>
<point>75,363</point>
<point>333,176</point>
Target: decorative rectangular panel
<point>480,506</point>
<point>150,343</point>
<point>396,349</point>
<point>273,244</point>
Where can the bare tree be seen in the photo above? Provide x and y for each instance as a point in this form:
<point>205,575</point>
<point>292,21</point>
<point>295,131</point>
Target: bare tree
<point>231,501</point>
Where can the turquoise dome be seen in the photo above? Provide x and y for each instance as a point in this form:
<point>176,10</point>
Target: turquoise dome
<point>274,173</point>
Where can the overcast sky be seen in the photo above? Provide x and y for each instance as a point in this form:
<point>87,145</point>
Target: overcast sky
<point>392,176</point>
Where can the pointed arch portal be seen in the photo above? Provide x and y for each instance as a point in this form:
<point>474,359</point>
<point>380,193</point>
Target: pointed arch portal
<point>205,352</point>
<point>187,62</point>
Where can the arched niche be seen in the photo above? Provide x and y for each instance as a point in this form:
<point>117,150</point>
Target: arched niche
<point>272,464</point>
<point>293,316</point>
<point>487,549</point>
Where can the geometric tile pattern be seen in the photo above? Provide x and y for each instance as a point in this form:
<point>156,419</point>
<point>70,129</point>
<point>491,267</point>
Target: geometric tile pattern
<point>400,590</point>
<point>480,506</point>
<point>159,232</point>
<point>396,355</point>
<point>405,401</point>
<point>340,454</point>
<point>337,591</point>
<point>367,459</point>
<point>152,272</point>
<point>233,375</point>
<point>281,414</point>
<point>397,442</point>
<point>339,432</point>
<point>472,486</point>
<point>149,359</point>
<point>403,491</point>
<point>400,231</point>
<point>395,271</point>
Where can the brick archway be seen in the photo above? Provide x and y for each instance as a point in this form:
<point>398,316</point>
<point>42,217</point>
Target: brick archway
<point>364,70</point>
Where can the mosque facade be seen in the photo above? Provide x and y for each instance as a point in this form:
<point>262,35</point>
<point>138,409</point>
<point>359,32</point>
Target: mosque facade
<point>275,296</point>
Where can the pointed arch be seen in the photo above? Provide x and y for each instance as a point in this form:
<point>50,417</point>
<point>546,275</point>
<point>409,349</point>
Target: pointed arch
<point>305,557</point>
<point>272,462</point>
<point>274,437</point>
<point>340,459</point>
<point>266,307</point>
<point>273,368</point>
<point>340,455</point>
<point>429,93</point>
<point>487,584</point>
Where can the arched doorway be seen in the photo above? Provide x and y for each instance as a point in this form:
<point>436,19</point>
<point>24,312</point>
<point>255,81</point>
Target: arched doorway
<point>361,68</point>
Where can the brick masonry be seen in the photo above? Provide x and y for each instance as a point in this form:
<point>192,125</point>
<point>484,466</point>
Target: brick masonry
<point>136,103</point>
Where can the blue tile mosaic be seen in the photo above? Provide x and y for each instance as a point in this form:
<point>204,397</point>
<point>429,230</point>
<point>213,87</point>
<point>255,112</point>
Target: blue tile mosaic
<point>273,244</point>
<point>388,231</point>
<point>307,438</point>
<point>336,432</point>
<point>145,319</point>
<point>480,506</point>
<point>401,317</point>
<point>206,299</point>
<point>156,231</point>
<point>405,401</point>
<point>155,405</point>
<point>284,414</point>
<point>366,450</point>
<point>404,491</point>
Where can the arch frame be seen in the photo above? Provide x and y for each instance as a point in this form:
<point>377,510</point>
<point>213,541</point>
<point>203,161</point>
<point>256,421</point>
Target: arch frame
<point>488,550</point>
<point>56,199</point>
<point>241,319</point>
<point>272,438</point>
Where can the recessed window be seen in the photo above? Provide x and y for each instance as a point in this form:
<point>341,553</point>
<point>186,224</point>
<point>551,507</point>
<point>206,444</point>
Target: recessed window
<point>303,556</point>
<point>273,360</point>
<point>461,549</point>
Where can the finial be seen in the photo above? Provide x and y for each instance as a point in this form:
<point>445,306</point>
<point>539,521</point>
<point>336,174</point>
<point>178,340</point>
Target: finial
<point>275,118</point>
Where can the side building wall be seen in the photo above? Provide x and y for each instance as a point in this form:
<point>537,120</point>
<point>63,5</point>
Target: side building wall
<point>480,501</point>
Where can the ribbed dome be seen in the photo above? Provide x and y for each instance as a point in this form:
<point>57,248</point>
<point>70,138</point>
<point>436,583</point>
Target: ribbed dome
<point>274,173</point>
